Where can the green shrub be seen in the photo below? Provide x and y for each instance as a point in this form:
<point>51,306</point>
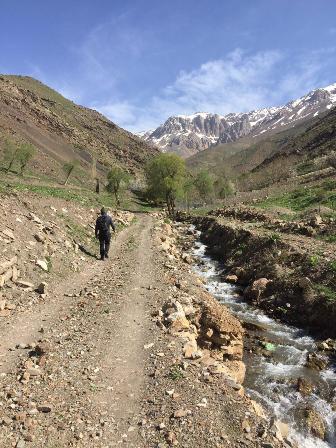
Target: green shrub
<point>314,260</point>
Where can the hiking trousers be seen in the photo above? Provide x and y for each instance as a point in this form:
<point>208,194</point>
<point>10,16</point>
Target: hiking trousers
<point>104,242</point>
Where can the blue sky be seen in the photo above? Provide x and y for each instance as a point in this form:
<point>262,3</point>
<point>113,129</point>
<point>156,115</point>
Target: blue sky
<point>140,61</point>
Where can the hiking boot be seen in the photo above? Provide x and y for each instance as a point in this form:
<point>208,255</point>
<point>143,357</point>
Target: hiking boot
<point>106,256</point>
<point>102,258</point>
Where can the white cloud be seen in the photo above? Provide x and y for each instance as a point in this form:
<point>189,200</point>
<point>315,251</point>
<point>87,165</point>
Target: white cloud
<point>237,83</point>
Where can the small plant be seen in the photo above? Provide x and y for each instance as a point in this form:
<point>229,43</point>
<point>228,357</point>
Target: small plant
<point>275,238</point>
<point>314,260</point>
<point>49,262</point>
<point>132,243</point>
<point>240,249</point>
<point>328,293</point>
<point>175,373</point>
<point>69,168</point>
<point>167,221</point>
<point>332,265</point>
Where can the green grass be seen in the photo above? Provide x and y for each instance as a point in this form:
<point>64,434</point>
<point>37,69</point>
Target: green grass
<point>305,167</point>
<point>332,265</point>
<point>83,196</point>
<point>304,198</point>
<point>175,373</point>
<point>328,293</point>
<point>314,260</point>
<point>328,238</point>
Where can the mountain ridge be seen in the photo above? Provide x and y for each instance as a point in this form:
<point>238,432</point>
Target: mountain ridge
<point>190,134</point>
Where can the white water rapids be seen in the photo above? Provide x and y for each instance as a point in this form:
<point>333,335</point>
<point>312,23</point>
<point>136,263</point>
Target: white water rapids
<point>272,381</point>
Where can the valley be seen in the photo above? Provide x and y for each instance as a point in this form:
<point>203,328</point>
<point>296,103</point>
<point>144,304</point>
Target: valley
<point>212,322</point>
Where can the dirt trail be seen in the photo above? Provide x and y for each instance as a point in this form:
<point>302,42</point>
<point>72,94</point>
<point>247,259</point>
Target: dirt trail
<point>96,341</point>
<point>25,327</point>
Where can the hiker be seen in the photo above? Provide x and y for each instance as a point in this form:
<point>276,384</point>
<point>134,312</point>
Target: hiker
<point>103,223</point>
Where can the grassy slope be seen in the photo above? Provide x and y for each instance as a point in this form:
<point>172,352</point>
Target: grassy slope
<point>244,154</point>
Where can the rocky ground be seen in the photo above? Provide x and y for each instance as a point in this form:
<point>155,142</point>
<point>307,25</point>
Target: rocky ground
<point>128,352</point>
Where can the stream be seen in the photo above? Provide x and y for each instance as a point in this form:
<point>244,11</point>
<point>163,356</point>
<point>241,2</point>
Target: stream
<point>272,381</point>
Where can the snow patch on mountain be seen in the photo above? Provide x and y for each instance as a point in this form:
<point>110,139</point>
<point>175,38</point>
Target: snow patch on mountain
<point>188,134</point>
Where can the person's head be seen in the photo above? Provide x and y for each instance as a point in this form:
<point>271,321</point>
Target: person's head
<point>103,211</point>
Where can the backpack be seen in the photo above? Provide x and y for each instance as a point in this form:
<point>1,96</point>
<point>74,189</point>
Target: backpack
<point>104,224</point>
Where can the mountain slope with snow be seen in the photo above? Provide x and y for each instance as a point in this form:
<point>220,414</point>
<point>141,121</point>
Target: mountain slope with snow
<point>189,134</point>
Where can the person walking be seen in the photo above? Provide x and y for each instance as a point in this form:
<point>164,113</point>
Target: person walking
<point>103,233</point>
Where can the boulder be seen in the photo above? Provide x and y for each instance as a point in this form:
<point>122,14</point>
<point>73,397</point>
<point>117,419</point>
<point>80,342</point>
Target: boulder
<point>43,265</point>
<point>190,349</point>
<point>42,288</point>
<point>255,291</point>
<point>174,315</point>
<point>314,423</point>
<point>316,361</point>
<point>231,278</point>
<point>304,386</point>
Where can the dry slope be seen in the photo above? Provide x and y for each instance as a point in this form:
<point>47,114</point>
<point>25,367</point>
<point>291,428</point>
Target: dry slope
<point>62,130</point>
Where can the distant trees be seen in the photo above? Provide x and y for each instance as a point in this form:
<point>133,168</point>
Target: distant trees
<point>224,187</point>
<point>69,168</point>
<point>118,180</point>
<point>204,184</point>
<point>17,154</point>
<point>169,181</point>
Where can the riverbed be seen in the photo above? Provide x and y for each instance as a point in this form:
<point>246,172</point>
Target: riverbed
<point>272,380</point>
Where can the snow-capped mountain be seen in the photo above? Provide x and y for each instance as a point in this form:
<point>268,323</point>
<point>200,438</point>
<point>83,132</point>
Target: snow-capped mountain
<point>189,134</point>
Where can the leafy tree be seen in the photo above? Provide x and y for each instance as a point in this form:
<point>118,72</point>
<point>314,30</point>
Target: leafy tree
<point>69,168</point>
<point>165,175</point>
<point>118,179</point>
<point>204,184</point>
<point>25,153</point>
<point>10,153</point>
<point>188,190</point>
<point>224,187</point>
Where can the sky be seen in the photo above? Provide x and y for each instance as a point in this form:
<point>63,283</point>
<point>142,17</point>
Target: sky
<point>141,61</point>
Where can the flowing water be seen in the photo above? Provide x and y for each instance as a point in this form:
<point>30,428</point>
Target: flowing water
<point>272,381</point>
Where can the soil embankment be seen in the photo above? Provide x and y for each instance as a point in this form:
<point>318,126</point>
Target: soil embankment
<point>285,271</point>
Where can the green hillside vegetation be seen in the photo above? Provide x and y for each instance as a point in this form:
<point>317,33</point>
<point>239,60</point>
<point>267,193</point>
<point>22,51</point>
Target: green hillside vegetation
<point>245,154</point>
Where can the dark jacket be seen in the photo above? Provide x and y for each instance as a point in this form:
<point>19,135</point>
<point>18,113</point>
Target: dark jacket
<point>103,224</point>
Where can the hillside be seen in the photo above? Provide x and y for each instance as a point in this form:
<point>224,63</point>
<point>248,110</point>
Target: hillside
<point>63,131</point>
<point>190,134</point>
<point>246,153</point>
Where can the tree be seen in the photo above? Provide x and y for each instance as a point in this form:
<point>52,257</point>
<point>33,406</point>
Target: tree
<point>224,187</point>
<point>69,168</point>
<point>204,184</point>
<point>118,179</point>
<point>165,175</point>
<point>10,153</point>
<point>188,190</point>
<point>25,153</point>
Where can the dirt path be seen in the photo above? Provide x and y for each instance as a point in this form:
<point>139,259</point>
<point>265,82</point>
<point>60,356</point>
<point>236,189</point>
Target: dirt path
<point>25,327</point>
<point>95,350</point>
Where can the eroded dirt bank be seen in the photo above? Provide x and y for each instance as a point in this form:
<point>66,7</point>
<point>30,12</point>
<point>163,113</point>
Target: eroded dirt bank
<point>289,275</point>
<point>132,351</point>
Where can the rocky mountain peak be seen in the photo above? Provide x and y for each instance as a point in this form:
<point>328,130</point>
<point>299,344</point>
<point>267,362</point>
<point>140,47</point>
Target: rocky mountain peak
<point>189,134</point>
